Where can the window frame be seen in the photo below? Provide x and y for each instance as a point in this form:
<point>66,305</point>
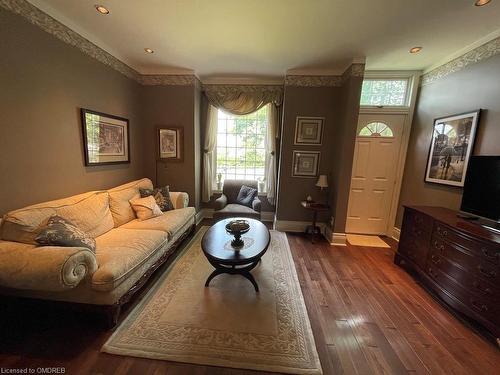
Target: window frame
<point>214,159</point>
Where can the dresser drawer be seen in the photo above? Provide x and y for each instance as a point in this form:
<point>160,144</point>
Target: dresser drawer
<point>488,271</point>
<point>415,249</point>
<point>468,260</point>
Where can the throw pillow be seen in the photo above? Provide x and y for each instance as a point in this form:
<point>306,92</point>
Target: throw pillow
<point>161,196</point>
<point>246,196</point>
<point>145,208</point>
<point>61,232</point>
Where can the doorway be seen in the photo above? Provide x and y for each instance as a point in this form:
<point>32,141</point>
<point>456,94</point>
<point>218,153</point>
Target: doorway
<point>374,172</point>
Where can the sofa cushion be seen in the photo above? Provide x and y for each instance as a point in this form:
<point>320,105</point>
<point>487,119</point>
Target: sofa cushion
<point>24,224</point>
<point>170,222</point>
<point>120,251</point>
<point>161,195</point>
<point>145,208</point>
<point>61,232</point>
<point>120,196</point>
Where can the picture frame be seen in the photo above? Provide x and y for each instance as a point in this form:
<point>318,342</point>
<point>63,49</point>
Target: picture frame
<point>305,164</point>
<point>309,130</point>
<point>451,146</point>
<point>105,138</point>
<point>169,143</point>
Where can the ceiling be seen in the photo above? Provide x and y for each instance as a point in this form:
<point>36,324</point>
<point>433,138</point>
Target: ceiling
<point>267,38</point>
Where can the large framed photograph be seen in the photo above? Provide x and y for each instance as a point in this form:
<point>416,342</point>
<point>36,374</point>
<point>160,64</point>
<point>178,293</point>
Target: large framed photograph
<point>451,147</point>
<point>309,130</point>
<point>170,143</point>
<point>305,163</point>
<point>105,138</point>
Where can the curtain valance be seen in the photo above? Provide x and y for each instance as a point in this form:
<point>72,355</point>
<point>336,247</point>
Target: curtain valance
<point>243,99</point>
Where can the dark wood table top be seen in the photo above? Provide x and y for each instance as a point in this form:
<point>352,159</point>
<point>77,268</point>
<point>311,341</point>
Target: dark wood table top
<point>216,243</point>
<point>315,206</point>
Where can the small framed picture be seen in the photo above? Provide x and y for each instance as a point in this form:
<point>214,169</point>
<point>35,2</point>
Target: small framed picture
<point>309,130</point>
<point>305,163</point>
<point>451,147</point>
<point>170,143</point>
<point>105,138</point>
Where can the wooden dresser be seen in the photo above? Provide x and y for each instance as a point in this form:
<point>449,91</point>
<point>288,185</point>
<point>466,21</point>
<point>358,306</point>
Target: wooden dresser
<point>457,259</point>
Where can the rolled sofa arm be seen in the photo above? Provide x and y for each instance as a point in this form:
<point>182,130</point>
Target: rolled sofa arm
<point>220,202</point>
<point>256,204</point>
<point>47,268</point>
<point>179,199</point>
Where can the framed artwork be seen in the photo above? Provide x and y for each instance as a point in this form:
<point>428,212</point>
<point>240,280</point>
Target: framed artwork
<point>170,143</point>
<point>105,138</point>
<point>305,163</point>
<point>309,130</point>
<point>451,147</point>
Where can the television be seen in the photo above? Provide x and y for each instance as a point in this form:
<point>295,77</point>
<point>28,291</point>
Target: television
<point>481,195</point>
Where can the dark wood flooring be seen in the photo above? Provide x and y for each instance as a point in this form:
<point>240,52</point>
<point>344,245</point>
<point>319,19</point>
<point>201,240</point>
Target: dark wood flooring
<point>368,317</point>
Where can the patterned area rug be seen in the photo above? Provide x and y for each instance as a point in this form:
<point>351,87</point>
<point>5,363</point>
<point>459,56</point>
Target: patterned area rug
<point>227,324</point>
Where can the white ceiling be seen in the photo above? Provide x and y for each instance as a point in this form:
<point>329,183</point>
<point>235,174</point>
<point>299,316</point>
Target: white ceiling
<point>265,38</point>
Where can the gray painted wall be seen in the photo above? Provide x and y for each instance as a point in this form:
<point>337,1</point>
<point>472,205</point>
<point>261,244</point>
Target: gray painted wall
<point>43,84</point>
<point>477,86</point>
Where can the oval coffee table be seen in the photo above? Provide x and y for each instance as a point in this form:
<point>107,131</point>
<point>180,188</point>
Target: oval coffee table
<point>216,245</point>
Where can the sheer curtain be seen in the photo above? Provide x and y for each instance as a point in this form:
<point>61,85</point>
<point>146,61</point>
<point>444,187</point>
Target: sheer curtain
<point>208,152</point>
<point>241,100</point>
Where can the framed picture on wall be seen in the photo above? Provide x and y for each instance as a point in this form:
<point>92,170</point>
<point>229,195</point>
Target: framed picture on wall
<point>169,143</point>
<point>305,163</point>
<point>105,138</point>
<point>309,130</point>
<point>451,147</point>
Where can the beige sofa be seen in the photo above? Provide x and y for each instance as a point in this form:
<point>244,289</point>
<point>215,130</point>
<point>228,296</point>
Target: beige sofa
<point>127,253</point>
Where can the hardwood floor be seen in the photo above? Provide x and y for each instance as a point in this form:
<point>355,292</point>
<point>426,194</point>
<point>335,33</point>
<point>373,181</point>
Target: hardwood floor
<point>368,317</point>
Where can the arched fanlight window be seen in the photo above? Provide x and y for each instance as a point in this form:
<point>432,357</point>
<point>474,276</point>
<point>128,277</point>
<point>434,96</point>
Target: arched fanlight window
<point>376,129</point>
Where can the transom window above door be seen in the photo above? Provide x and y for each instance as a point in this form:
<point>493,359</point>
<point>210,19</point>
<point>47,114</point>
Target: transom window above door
<point>384,92</point>
<point>376,129</point>
<point>241,151</point>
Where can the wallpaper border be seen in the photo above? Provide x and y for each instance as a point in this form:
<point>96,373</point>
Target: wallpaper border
<point>474,56</point>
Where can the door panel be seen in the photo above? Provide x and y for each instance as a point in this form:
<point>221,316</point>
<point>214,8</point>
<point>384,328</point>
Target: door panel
<point>373,176</point>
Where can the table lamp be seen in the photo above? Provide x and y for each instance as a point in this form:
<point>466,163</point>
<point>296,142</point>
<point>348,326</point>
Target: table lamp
<point>322,182</point>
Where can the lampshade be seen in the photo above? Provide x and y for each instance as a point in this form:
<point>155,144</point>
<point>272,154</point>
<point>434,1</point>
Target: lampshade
<point>322,181</point>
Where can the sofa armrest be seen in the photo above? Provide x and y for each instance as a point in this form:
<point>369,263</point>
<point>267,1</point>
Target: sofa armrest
<point>47,268</point>
<point>256,204</point>
<point>179,199</point>
<point>220,202</point>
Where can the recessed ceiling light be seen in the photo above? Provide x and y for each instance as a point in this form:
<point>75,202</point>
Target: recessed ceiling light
<point>102,9</point>
<point>480,3</point>
<point>149,50</point>
<point>415,49</point>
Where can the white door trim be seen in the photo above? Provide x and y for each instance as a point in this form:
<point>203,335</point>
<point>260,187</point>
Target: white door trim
<point>405,138</point>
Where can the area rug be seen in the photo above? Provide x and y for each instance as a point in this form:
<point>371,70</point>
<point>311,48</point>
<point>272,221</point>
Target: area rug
<point>362,240</point>
<point>227,324</point>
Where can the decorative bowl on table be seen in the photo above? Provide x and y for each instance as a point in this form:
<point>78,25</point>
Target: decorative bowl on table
<point>236,228</point>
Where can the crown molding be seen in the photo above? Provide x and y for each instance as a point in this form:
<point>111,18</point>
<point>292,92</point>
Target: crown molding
<point>236,80</point>
<point>313,81</point>
<point>167,79</point>
<point>474,56</point>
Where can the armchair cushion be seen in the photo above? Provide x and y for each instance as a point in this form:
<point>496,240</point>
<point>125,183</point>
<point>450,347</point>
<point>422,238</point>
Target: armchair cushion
<point>256,204</point>
<point>246,196</point>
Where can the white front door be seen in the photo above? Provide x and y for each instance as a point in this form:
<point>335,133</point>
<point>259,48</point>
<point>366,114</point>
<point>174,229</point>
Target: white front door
<point>374,172</point>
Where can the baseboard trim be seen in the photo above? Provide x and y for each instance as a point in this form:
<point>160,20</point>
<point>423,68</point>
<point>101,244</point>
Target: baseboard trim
<point>335,239</point>
<point>396,233</point>
<point>208,213</point>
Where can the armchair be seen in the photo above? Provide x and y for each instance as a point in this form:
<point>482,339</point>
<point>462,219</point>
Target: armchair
<point>227,206</point>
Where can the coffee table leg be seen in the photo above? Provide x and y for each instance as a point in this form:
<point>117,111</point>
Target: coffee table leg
<point>250,277</point>
<point>216,272</point>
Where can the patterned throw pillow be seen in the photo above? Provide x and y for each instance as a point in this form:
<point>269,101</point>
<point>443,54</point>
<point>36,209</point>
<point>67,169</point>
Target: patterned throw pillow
<point>246,196</point>
<point>61,232</point>
<point>145,208</point>
<point>161,196</point>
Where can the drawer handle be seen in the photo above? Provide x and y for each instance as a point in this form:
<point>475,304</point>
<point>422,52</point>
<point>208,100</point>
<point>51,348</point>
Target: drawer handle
<point>435,259</point>
<point>431,272</point>
<point>478,306</point>
<point>487,273</point>
<point>486,253</point>
<point>478,287</point>
<point>438,246</point>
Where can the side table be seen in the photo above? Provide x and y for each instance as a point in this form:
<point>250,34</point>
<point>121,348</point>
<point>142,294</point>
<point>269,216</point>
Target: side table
<point>315,208</point>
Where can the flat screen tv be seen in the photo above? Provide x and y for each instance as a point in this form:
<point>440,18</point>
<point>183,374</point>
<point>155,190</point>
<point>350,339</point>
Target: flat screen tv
<point>481,194</point>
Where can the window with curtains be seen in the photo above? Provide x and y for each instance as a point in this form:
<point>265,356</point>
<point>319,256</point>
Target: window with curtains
<point>240,150</point>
